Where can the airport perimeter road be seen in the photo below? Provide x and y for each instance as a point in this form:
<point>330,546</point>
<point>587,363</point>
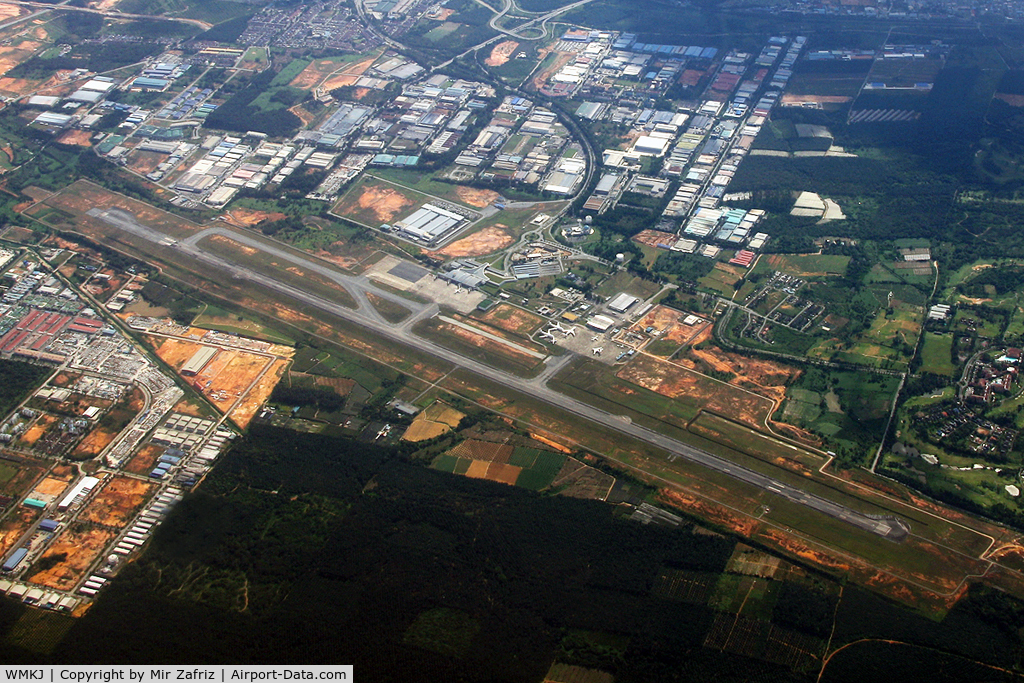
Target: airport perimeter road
<point>366,315</point>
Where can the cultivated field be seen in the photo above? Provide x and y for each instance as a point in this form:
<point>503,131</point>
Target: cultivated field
<point>524,467</point>
<point>436,419</point>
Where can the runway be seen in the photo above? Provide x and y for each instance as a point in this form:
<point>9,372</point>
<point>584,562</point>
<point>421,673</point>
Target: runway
<point>365,315</point>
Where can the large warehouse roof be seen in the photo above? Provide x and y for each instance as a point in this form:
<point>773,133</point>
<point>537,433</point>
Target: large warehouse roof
<point>622,302</point>
<point>199,360</point>
<point>429,222</point>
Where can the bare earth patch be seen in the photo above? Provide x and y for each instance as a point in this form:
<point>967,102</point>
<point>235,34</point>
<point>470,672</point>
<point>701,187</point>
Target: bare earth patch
<point>487,241</point>
<point>72,553</point>
<point>475,196</point>
<point>320,69</point>
<point>246,218</point>
<point>80,138</point>
<point>501,53</point>
<point>349,76</point>
<point>512,319</point>
<point>248,251</point>
<point>384,202</point>
<point>117,502</point>
<point>652,238</point>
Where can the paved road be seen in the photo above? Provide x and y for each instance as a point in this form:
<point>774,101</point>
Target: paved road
<point>366,315</point>
<point>108,13</point>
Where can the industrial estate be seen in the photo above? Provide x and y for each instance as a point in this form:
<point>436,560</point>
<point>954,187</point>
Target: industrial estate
<point>613,338</point>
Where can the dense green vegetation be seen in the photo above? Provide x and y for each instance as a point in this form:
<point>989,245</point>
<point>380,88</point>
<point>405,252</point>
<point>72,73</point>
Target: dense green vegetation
<point>261,104</point>
<point>227,31</point>
<point>19,379</point>
<point>298,540</point>
<point>92,56</point>
<point>298,396</point>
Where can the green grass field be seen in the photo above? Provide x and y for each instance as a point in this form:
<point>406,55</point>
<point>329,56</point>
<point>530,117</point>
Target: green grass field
<point>936,354</point>
<point>746,440</point>
<point>622,281</point>
<point>542,472</point>
<point>719,281</point>
<point>288,73</point>
<point>7,472</point>
<point>439,33</point>
<point>980,323</point>
<point>520,365</point>
<point>255,54</point>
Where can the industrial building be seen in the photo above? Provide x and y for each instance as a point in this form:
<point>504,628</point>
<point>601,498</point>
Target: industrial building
<point>429,223</point>
<point>86,96</point>
<point>600,323</point>
<point>15,559</point>
<point>567,176</point>
<point>51,119</point>
<point>622,302</point>
<point>78,493</point>
<point>42,101</point>
<point>652,145</point>
<point>151,84</point>
<point>198,361</point>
